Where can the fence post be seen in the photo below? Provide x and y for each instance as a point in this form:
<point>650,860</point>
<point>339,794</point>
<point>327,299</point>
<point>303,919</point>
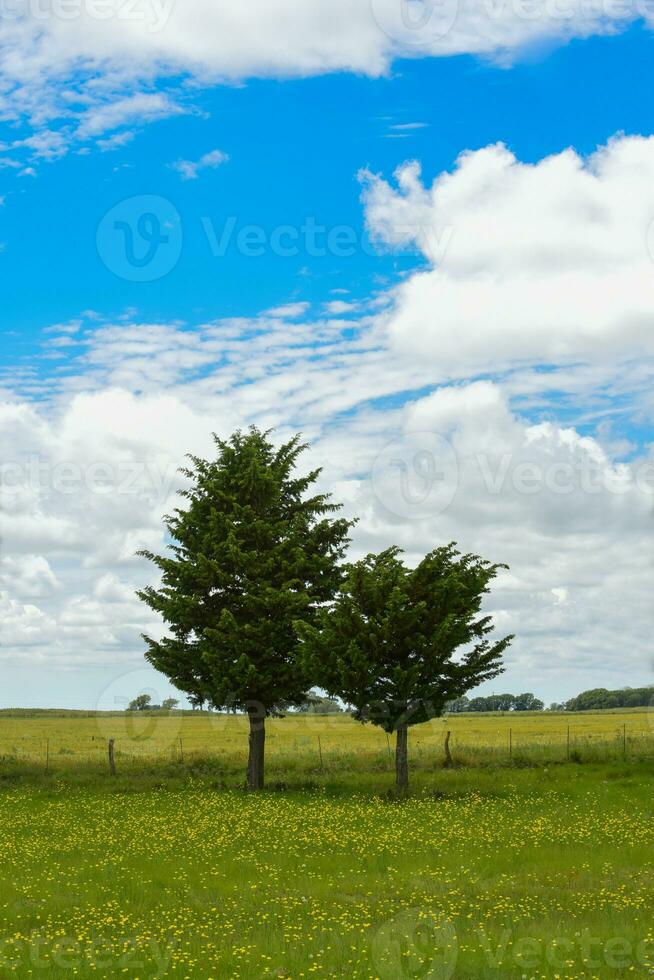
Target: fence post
<point>568,748</point>
<point>510,744</point>
<point>320,753</point>
<point>181,752</point>
<point>112,762</point>
<point>47,754</point>
<point>388,743</point>
<point>624,741</point>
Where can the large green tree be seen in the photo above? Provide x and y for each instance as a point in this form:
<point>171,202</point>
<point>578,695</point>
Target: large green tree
<point>399,643</point>
<point>252,552</point>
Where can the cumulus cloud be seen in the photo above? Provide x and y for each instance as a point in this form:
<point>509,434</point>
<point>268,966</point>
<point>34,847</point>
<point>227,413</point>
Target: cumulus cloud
<point>550,261</point>
<point>30,577</point>
<point>430,425</point>
<point>98,469</point>
<point>101,55</point>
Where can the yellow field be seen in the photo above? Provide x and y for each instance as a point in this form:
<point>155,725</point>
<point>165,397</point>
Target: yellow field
<point>486,871</point>
<point>326,742</point>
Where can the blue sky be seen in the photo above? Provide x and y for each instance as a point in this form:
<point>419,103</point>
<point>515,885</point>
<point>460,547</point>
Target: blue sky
<point>295,148</point>
<point>528,338</point>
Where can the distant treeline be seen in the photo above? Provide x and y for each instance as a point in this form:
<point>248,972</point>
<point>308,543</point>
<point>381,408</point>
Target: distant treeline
<point>626,697</point>
<point>496,702</point>
<point>598,698</point>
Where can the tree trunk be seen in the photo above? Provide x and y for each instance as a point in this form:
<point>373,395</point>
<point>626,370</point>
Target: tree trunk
<point>257,747</point>
<point>448,755</point>
<point>402,760</point>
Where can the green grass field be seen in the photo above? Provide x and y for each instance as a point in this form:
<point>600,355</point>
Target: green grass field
<point>499,868</point>
<point>310,743</point>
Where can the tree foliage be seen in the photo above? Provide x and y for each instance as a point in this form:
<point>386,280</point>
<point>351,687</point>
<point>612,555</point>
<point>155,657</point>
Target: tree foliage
<point>399,643</point>
<point>317,705</point>
<point>141,703</point>
<point>600,697</point>
<point>251,552</point>
<point>496,702</point>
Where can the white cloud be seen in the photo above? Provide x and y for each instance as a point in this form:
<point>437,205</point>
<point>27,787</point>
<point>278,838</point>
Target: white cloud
<point>189,169</point>
<point>142,107</point>
<point>534,467</point>
<point>519,496</point>
<point>547,262</point>
<point>400,131</point>
<point>289,310</point>
<point>103,55</point>
<point>47,145</point>
<point>336,307</point>
<point>30,577</point>
<point>116,141</point>
<point>408,127</point>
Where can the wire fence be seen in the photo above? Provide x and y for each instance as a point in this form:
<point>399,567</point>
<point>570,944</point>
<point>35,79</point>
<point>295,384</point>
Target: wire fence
<point>327,754</point>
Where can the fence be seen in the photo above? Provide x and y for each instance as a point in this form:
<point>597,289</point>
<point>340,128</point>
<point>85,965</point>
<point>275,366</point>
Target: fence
<point>326,752</point>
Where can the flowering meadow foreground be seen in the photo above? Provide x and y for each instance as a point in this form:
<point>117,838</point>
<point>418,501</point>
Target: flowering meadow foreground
<point>492,872</point>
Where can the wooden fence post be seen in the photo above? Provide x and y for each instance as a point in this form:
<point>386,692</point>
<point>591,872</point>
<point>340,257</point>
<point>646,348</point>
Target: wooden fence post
<point>510,744</point>
<point>320,753</point>
<point>112,761</point>
<point>47,754</point>
<point>181,752</point>
<point>568,745</point>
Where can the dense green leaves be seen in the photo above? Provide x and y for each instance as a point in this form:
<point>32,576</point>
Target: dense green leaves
<point>627,697</point>
<point>251,553</point>
<point>400,643</point>
<point>496,702</point>
<point>259,607</point>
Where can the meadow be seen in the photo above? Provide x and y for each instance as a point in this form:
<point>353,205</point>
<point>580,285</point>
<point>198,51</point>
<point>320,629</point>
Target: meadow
<point>309,744</point>
<point>499,867</point>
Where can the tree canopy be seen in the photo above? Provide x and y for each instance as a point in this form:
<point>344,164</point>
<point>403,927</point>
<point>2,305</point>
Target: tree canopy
<point>252,552</point>
<point>496,702</point>
<point>600,697</point>
<point>398,644</point>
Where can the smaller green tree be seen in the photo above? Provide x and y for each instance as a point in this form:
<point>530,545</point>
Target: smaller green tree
<point>458,706</point>
<point>317,705</point>
<point>140,703</point>
<point>169,703</point>
<point>527,702</point>
<point>387,644</point>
